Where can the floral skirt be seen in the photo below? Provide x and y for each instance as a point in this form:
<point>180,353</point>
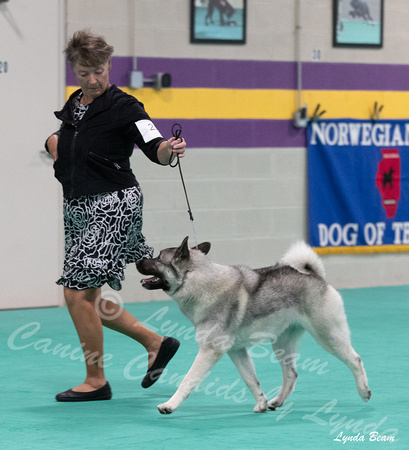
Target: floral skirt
<point>103,233</point>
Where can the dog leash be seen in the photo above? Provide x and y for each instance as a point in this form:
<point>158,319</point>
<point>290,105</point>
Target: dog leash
<point>176,133</point>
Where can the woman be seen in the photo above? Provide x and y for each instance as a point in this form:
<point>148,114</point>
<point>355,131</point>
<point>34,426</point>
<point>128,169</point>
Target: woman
<point>103,208</point>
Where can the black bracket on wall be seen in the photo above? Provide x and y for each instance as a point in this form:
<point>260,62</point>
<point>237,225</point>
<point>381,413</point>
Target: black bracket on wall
<point>317,113</point>
<point>301,118</point>
<point>376,113</point>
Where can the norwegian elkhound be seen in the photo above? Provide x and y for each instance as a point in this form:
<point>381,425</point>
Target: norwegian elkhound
<point>234,307</point>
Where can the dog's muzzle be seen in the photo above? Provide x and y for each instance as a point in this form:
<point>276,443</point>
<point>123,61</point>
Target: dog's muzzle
<point>147,267</point>
<point>154,283</point>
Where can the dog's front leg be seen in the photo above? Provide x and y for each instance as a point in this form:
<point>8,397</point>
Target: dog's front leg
<point>203,363</point>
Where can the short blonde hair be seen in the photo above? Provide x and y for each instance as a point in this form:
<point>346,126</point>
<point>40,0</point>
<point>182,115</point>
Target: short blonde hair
<point>87,49</point>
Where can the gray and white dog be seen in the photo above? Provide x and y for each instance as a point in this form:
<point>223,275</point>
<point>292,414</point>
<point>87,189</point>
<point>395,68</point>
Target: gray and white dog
<point>232,307</point>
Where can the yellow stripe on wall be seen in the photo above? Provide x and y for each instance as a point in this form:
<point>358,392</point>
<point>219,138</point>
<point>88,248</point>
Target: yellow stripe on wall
<point>274,104</point>
<point>358,104</point>
<point>361,249</point>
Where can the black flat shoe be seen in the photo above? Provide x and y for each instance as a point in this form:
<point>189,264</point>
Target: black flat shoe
<point>166,352</point>
<point>103,393</point>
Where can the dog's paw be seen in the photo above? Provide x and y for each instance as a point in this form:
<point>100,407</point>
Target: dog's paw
<point>261,405</point>
<point>166,408</point>
<point>275,403</point>
<point>366,395</point>
<point>260,408</point>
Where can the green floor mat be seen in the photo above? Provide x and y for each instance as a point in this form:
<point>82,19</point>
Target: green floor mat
<point>40,356</point>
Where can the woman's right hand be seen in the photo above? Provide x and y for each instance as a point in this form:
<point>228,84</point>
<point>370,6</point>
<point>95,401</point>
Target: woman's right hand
<point>52,145</point>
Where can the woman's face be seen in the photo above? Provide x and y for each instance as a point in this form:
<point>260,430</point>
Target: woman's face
<point>93,80</point>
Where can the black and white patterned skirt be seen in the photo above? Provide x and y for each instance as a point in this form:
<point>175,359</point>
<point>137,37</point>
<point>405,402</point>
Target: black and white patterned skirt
<point>103,233</point>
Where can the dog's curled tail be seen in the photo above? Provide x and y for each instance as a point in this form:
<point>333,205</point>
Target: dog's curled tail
<point>302,257</point>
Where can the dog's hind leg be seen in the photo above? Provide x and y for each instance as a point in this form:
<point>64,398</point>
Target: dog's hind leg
<point>330,330</point>
<point>203,363</point>
<point>285,348</point>
<point>245,366</point>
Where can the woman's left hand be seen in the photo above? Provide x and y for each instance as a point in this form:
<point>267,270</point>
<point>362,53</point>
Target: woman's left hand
<point>171,148</point>
<point>178,146</point>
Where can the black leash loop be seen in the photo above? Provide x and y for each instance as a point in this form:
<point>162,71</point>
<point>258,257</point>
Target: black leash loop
<point>176,133</point>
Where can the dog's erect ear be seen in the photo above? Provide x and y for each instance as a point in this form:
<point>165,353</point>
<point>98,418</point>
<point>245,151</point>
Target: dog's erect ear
<point>204,247</point>
<point>182,252</point>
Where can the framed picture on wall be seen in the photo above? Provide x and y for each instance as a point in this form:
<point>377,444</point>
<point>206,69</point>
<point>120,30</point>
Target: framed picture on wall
<point>358,23</point>
<point>218,21</point>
